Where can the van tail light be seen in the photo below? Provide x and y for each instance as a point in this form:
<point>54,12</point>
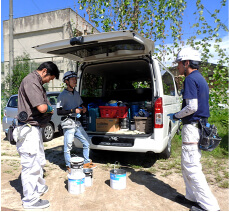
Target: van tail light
<point>158,113</point>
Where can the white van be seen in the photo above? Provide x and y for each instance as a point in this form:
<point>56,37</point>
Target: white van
<point>119,68</point>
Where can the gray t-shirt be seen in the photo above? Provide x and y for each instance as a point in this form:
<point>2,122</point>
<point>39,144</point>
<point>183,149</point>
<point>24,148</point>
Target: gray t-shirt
<point>69,100</point>
<point>31,94</point>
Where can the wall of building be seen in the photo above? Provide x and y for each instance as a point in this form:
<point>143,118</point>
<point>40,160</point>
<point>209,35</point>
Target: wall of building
<point>42,28</point>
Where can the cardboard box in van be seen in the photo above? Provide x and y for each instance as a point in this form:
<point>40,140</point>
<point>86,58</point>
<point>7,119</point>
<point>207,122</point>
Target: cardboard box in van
<point>107,125</point>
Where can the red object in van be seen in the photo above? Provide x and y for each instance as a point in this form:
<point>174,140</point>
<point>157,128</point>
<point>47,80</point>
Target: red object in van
<point>113,111</point>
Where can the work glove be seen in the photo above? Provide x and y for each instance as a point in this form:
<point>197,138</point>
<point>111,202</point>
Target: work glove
<point>174,118</point>
<point>49,110</point>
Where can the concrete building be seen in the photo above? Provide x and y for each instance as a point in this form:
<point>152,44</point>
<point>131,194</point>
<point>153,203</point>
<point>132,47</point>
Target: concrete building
<point>37,29</point>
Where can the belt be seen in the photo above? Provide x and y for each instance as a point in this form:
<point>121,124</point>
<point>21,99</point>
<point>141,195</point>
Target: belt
<point>190,122</point>
<point>189,143</point>
<point>73,118</point>
<point>23,123</point>
<point>194,122</point>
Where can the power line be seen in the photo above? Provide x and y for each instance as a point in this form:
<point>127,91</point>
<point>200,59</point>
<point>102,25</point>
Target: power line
<point>222,24</point>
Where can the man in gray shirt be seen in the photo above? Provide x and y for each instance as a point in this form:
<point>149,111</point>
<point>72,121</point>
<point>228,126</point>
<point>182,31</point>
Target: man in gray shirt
<point>33,102</point>
<point>69,105</point>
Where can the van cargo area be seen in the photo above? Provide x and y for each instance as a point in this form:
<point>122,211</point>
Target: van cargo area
<point>119,97</point>
<point>129,93</point>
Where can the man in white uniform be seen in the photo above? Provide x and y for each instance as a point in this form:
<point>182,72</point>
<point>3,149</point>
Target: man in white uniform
<point>195,107</point>
<point>33,102</point>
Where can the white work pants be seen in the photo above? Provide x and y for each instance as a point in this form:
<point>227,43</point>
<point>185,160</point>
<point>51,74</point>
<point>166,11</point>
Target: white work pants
<point>197,188</point>
<point>31,151</point>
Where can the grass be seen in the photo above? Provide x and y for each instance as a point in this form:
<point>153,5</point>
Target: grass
<point>224,184</point>
<point>215,163</point>
<point>220,119</point>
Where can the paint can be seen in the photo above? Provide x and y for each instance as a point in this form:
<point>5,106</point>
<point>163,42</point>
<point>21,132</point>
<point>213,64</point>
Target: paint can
<point>76,183</point>
<point>76,180</point>
<point>76,162</point>
<point>118,179</point>
<point>88,177</point>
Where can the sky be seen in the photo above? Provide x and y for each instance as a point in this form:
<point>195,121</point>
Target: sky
<point>30,7</point>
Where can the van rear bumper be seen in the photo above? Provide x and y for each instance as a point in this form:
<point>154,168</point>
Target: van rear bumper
<point>139,144</point>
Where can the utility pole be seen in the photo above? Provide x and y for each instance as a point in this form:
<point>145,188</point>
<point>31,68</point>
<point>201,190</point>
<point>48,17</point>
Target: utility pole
<point>11,42</point>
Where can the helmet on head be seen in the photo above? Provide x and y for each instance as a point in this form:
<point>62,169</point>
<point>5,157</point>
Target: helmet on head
<point>68,75</point>
<point>188,54</point>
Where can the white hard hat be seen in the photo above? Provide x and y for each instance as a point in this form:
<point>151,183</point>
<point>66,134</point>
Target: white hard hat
<point>188,54</point>
<point>69,74</point>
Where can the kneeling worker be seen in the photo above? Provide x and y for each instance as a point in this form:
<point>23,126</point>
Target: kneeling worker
<point>69,105</point>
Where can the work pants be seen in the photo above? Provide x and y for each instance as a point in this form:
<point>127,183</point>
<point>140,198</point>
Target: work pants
<point>197,188</point>
<point>31,151</point>
<point>79,133</point>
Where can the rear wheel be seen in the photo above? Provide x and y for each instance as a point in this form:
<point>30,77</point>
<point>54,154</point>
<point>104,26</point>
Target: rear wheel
<point>48,132</point>
<point>167,151</point>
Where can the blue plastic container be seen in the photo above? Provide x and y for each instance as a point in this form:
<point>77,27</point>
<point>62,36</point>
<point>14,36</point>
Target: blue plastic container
<point>134,110</point>
<point>93,114</point>
<point>113,104</point>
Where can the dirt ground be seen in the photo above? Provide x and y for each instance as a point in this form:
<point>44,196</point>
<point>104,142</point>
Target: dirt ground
<point>144,191</point>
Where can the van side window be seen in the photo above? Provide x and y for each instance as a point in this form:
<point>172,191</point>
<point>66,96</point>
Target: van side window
<point>168,83</point>
<point>92,85</point>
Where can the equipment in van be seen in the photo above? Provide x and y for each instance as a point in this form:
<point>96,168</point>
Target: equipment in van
<point>121,66</point>
<point>209,138</point>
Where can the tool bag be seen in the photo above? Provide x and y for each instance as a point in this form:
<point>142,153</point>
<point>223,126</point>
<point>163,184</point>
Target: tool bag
<point>14,130</point>
<point>209,138</point>
<point>10,134</point>
<point>67,123</point>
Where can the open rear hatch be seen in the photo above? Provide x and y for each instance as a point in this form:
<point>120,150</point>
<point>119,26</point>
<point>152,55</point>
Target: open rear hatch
<point>101,46</point>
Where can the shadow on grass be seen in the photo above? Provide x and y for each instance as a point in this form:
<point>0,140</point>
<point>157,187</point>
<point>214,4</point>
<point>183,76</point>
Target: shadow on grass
<point>155,185</point>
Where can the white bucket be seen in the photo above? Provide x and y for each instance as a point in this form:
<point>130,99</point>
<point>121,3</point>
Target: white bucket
<point>76,183</point>
<point>118,179</point>
<point>88,177</point>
